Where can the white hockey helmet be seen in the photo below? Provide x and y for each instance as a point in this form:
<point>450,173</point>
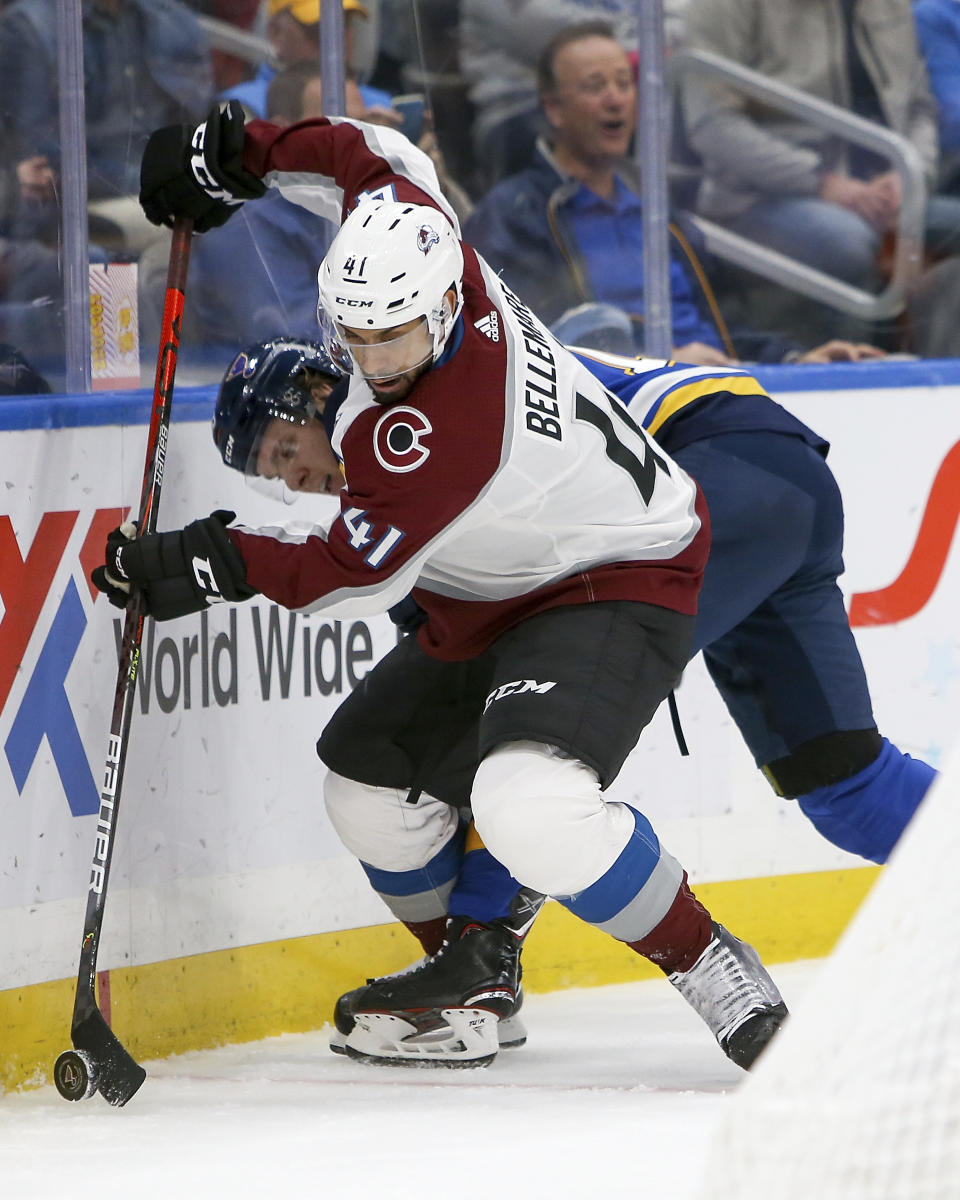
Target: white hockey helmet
<point>390,263</point>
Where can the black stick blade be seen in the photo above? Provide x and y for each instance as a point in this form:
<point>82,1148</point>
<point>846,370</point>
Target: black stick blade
<point>116,1075</point>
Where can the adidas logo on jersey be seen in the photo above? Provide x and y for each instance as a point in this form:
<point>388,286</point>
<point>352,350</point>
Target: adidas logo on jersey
<point>489,325</point>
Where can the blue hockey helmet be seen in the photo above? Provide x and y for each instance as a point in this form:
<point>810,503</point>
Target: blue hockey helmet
<point>268,380</point>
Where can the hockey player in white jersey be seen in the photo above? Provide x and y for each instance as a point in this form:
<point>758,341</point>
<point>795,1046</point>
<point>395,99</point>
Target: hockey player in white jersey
<point>769,605</point>
<point>556,553</point>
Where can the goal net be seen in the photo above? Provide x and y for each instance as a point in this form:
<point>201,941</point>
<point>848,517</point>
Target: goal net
<point>858,1098</point>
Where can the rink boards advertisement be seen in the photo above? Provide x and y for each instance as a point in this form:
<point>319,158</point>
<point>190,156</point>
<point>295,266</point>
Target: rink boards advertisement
<point>222,838</point>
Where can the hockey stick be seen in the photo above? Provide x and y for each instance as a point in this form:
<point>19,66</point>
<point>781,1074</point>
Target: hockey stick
<point>98,1061</point>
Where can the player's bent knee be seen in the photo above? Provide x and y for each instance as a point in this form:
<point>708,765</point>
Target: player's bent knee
<point>382,829</point>
<point>823,761</point>
<point>543,816</point>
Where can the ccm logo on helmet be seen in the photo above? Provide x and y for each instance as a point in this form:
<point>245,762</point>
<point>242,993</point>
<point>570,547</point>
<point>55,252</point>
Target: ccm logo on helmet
<point>397,440</point>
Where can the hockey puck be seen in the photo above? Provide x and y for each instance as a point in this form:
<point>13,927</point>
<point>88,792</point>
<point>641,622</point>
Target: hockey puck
<point>74,1075</point>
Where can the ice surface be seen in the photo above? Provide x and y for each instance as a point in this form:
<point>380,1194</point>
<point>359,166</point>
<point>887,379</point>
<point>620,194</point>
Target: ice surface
<point>615,1094</point>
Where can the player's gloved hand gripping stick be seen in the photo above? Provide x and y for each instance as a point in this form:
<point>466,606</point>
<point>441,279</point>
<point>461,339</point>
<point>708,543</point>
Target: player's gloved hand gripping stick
<point>98,1061</point>
<point>197,171</point>
<point>176,573</point>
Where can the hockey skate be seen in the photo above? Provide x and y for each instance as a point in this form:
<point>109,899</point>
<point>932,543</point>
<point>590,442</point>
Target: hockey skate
<point>456,1009</point>
<point>729,987</point>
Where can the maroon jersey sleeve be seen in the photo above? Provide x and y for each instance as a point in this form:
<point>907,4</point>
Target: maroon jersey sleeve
<point>357,157</point>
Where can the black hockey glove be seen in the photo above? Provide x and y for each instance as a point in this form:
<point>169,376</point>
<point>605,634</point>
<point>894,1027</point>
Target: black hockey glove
<point>176,573</point>
<point>197,172</point>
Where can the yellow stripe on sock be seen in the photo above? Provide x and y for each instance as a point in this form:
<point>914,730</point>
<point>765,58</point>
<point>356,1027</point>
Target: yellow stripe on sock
<point>473,840</point>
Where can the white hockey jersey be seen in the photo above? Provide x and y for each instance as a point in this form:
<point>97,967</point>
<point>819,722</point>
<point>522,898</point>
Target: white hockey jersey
<point>507,483</point>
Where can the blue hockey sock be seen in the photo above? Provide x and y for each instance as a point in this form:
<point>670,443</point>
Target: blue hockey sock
<point>866,813</point>
<point>484,888</point>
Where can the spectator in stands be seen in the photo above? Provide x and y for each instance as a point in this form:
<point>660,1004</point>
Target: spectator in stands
<point>783,182</point>
<point>298,89</point>
<point>500,42</point>
<point>17,376</point>
<point>293,29</point>
<point>28,194</point>
<point>30,287</point>
<point>242,15</point>
<point>567,231</point>
<point>405,48</point>
<point>146,64</point>
<point>938,31</point>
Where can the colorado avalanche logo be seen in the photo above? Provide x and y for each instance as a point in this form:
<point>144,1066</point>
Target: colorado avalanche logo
<point>397,440</point>
<point>427,237</point>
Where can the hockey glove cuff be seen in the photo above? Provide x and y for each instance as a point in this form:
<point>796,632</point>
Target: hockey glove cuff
<point>177,573</point>
<point>197,172</point>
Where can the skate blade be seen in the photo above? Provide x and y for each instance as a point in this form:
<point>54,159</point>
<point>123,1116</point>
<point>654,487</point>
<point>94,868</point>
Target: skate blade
<point>468,1039</point>
<point>511,1035</point>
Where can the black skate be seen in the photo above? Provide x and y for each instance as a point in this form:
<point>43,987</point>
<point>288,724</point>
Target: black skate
<point>455,1009</point>
<point>730,988</point>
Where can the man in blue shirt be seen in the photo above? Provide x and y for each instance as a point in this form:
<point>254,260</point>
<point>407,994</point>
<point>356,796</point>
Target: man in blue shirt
<point>567,231</point>
<point>938,32</point>
<point>145,64</point>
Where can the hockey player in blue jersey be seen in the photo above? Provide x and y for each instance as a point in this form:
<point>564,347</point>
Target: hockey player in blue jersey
<point>771,625</point>
<point>771,621</point>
